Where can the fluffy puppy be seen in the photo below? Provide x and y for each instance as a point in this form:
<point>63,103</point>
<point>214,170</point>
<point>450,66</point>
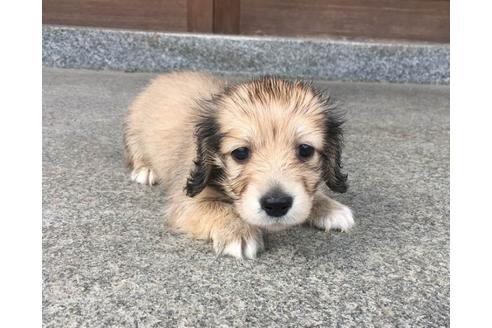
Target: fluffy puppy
<point>238,159</point>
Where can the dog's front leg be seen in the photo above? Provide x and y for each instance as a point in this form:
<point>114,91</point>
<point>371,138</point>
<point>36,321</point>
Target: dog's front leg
<point>217,221</point>
<point>328,214</point>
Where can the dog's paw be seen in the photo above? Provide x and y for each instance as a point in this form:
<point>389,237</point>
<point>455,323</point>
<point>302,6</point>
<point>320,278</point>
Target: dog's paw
<point>144,175</point>
<point>339,218</point>
<point>242,247</point>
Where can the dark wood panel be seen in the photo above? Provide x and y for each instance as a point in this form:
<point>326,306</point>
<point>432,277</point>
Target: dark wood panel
<point>159,15</point>
<point>201,16</point>
<point>418,20</point>
<point>226,16</point>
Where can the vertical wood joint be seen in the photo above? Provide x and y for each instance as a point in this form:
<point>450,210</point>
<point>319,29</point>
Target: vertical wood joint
<point>226,16</point>
<point>200,16</point>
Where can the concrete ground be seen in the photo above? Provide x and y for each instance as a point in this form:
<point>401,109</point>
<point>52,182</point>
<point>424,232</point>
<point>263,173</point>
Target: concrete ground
<point>109,261</point>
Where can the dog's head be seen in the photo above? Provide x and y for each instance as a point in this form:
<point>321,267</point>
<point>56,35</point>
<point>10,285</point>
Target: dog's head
<point>267,145</point>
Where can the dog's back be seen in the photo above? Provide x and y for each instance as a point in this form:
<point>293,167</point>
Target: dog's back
<point>160,125</point>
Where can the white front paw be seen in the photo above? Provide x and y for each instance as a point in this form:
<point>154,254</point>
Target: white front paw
<point>143,175</point>
<point>239,248</point>
<point>339,218</point>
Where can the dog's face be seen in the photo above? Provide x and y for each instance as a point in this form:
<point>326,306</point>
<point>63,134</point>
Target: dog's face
<point>266,146</point>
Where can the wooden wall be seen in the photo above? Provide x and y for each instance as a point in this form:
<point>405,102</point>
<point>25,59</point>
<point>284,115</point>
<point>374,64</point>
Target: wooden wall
<point>414,20</point>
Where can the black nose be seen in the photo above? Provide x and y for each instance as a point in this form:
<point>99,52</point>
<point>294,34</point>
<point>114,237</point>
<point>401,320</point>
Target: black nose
<point>276,204</point>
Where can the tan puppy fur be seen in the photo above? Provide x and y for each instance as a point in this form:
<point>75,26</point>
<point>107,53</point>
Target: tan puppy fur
<point>238,159</point>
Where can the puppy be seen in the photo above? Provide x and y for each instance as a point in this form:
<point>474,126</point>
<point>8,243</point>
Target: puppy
<point>238,159</point>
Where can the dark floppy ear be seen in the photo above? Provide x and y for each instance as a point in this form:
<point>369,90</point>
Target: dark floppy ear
<point>208,138</point>
<point>332,152</point>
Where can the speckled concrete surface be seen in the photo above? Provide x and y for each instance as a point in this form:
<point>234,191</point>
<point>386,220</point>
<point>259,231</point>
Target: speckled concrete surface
<point>317,58</point>
<point>108,261</point>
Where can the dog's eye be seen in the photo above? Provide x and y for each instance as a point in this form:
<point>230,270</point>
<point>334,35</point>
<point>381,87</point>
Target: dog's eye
<point>305,151</point>
<point>240,154</point>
